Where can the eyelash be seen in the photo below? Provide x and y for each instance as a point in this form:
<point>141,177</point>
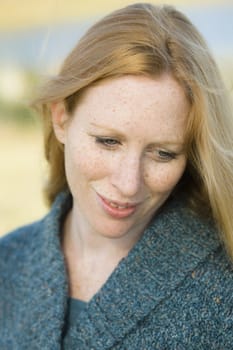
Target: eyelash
<point>111,143</point>
<point>107,141</point>
<point>166,156</point>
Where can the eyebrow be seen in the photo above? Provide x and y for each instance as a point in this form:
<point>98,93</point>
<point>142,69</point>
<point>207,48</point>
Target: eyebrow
<point>108,129</point>
<point>120,134</point>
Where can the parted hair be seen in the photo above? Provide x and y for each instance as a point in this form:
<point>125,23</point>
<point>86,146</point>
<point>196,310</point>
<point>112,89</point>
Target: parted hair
<point>143,39</point>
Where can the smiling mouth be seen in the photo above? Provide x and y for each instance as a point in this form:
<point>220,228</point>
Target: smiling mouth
<point>115,205</point>
<point>117,210</point>
<point>120,205</point>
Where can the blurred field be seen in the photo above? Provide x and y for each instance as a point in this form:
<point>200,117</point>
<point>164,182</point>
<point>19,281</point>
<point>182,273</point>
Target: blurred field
<point>21,176</point>
<point>26,13</point>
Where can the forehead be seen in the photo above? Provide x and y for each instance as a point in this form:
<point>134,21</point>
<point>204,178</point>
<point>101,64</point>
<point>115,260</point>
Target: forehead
<point>128,85</point>
<point>138,103</point>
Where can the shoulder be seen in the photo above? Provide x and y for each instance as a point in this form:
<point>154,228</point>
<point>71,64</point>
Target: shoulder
<point>20,244</point>
<point>215,275</point>
<point>193,242</point>
<point>17,251</point>
<point>21,234</point>
<point>181,228</point>
<point>200,238</point>
<point>15,245</point>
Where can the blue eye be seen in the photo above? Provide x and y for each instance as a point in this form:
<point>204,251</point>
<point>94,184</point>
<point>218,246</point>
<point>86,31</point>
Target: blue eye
<point>160,155</point>
<point>106,141</point>
<point>166,156</point>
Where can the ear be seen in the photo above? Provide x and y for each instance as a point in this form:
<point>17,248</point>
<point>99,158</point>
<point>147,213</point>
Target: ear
<point>59,119</point>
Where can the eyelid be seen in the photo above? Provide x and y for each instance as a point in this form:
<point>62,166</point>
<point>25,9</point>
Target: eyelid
<point>162,155</point>
<point>103,140</point>
<point>167,154</point>
<point>106,138</point>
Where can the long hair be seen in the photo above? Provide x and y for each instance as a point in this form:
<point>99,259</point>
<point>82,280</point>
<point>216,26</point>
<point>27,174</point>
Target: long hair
<point>142,39</point>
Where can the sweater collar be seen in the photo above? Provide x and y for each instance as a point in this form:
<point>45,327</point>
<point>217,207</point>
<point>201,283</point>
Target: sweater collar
<point>44,282</point>
<point>170,249</point>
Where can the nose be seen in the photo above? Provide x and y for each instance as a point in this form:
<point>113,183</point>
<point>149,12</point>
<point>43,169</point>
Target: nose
<point>127,176</point>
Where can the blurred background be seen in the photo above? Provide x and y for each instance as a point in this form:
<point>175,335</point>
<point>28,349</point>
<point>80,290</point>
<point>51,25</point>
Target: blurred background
<point>35,36</point>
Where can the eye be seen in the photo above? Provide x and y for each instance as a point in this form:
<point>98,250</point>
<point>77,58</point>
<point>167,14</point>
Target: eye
<point>107,141</point>
<point>160,155</point>
<point>165,155</point>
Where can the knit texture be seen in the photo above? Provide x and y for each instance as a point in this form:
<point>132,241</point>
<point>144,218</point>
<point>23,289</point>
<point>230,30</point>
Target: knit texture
<point>174,290</point>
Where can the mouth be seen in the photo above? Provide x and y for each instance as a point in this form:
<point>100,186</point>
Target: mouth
<point>118,210</point>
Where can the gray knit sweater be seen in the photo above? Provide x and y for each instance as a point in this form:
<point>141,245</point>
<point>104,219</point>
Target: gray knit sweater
<point>174,290</point>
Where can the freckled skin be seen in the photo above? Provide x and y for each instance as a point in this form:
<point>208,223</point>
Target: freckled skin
<point>144,112</point>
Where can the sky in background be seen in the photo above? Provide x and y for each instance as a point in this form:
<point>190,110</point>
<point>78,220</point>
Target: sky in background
<point>43,47</point>
<point>34,37</point>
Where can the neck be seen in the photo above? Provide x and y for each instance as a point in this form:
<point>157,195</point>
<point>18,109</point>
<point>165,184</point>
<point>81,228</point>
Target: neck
<point>90,257</point>
<point>86,243</point>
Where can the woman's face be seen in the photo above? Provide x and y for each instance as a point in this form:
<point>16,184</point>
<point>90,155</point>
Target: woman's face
<point>124,152</point>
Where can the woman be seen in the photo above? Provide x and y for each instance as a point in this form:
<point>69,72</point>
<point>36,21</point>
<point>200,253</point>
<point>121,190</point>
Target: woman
<point>136,250</point>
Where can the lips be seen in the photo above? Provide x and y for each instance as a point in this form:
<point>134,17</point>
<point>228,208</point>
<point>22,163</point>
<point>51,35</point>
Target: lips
<point>116,205</point>
<point>117,210</point>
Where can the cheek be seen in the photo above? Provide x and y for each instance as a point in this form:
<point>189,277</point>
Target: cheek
<point>83,163</point>
<point>165,176</point>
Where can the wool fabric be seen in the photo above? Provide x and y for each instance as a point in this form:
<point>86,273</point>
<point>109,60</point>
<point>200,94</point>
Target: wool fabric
<point>173,291</point>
